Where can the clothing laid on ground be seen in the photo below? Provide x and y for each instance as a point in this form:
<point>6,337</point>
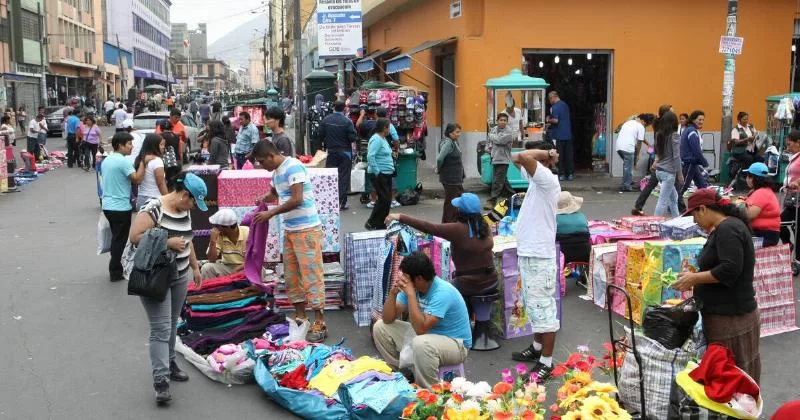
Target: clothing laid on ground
<point>473,258</point>
<point>224,297</point>
<point>443,301</point>
<point>770,216</point>
<point>177,225</point>
<point>338,372</point>
<point>536,222</point>
<point>304,216</point>
<point>254,325</point>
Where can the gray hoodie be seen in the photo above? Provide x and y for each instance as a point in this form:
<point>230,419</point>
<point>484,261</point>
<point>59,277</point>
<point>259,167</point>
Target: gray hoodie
<point>501,140</point>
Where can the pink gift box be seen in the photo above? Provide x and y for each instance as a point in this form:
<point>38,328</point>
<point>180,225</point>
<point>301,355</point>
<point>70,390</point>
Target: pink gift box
<point>242,188</point>
<point>326,189</point>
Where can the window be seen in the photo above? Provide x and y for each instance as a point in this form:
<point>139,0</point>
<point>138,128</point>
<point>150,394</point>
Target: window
<point>157,8</point>
<point>30,25</point>
<point>147,61</point>
<point>211,70</point>
<point>145,29</point>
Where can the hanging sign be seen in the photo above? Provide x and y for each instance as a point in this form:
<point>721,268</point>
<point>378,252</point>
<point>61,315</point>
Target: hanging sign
<point>731,45</point>
<point>455,9</point>
<point>339,27</point>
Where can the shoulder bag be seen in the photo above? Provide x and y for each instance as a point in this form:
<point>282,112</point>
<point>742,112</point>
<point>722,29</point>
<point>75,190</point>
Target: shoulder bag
<point>153,283</point>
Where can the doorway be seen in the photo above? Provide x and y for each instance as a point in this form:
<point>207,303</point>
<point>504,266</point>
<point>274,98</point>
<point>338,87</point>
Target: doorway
<point>583,80</point>
<point>447,92</point>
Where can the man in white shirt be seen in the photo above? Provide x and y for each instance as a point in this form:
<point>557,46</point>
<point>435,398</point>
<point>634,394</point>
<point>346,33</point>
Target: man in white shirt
<point>629,140</point>
<point>516,119</point>
<point>119,116</point>
<point>108,107</point>
<point>35,128</point>
<point>537,254</point>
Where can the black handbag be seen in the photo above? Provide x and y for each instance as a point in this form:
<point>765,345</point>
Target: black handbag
<point>153,284</point>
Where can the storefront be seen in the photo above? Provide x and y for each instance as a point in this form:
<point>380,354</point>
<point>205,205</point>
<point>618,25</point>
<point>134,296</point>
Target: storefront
<point>622,63</point>
<point>23,90</point>
<point>65,82</point>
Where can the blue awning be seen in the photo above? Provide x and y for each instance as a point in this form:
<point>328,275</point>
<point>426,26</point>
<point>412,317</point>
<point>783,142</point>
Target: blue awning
<point>348,66</point>
<point>403,62</point>
<point>368,63</point>
<point>365,66</point>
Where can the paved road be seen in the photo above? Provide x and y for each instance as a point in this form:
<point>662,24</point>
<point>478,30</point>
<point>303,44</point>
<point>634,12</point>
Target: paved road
<point>75,345</point>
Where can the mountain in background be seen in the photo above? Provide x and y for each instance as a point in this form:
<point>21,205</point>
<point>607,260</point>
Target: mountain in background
<point>234,47</point>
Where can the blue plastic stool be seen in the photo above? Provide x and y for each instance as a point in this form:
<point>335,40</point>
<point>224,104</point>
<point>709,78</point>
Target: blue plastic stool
<point>482,332</point>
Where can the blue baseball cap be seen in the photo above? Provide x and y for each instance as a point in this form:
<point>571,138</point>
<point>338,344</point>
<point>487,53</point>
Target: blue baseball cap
<point>758,169</point>
<point>197,188</point>
<point>468,203</point>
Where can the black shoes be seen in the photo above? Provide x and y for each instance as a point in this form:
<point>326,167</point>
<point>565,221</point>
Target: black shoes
<point>176,374</point>
<point>529,355</point>
<point>542,372</point>
<point>161,385</point>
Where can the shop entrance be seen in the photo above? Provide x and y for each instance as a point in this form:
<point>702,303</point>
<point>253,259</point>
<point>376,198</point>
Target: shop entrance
<point>583,80</point>
<point>447,92</point>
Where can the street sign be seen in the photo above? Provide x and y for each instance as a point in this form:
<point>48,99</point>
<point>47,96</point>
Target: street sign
<point>339,27</point>
<point>731,45</point>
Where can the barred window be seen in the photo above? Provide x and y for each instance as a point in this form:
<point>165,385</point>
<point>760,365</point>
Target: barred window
<point>29,22</point>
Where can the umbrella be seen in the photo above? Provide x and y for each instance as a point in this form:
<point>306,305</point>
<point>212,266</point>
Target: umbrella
<point>155,87</point>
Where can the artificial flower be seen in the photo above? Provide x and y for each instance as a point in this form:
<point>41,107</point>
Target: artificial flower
<point>583,348</point>
<point>493,406</point>
<point>431,418</point>
<point>437,388</point>
<point>529,415</point>
<point>479,390</point>
<point>572,415</point>
<point>507,376</point>
<point>602,387</point>
<point>554,408</point>
<point>559,370</point>
<point>464,414</point>
<point>502,388</point>
<point>522,402</point>
<point>541,398</point>
<point>457,384</point>
<point>519,393</point>
<point>521,369</point>
<point>573,359</point>
<point>457,398</point>
<point>594,408</point>
<point>503,416</point>
<point>409,409</point>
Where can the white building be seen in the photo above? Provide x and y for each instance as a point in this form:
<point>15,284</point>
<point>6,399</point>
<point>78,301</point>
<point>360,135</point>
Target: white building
<point>143,27</point>
<point>256,64</point>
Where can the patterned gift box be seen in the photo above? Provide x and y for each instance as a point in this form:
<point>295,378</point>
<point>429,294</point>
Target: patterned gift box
<point>680,258</point>
<point>331,229</point>
<point>641,224</point>
<point>442,259</point>
<point>602,266</point>
<point>679,228</point>
<point>630,259</point>
<point>772,277</point>
<point>242,188</point>
<point>778,319</point>
<point>634,291</point>
<point>326,189</point>
<point>362,250</point>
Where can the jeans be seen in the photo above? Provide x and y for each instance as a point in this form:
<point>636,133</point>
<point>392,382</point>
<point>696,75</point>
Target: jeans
<point>451,191</point>
<point>382,184</point>
<point>693,172</point>
<point>240,160</point>
<point>73,155</point>
<point>120,223</point>
<point>668,199</point>
<point>339,159</point>
<point>501,188</point>
<point>565,157</point>
<point>89,152</point>
<point>627,169</point>
<point>141,200</point>
<point>163,317</point>
<point>33,146</point>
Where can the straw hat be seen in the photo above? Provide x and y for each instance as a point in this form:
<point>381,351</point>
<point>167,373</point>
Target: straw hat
<point>568,203</point>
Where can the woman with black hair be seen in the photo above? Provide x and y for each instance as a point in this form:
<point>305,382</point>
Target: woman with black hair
<point>471,245</point>
<point>724,283</point>
<point>743,137</point>
<point>692,157</point>
<point>218,146</point>
<point>792,189</point>
<point>380,168</point>
<point>668,165</point>
<point>172,146</point>
<point>154,183</point>
<point>761,205</point>
<point>450,168</point>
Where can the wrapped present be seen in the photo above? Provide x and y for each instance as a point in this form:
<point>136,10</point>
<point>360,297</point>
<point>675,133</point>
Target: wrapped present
<point>679,228</point>
<point>326,189</point>
<point>634,291</point>
<point>641,224</point>
<point>679,258</point>
<point>242,188</point>
<point>442,258</point>
<point>774,287</point>
<point>630,258</point>
<point>330,230</point>
<point>602,265</point>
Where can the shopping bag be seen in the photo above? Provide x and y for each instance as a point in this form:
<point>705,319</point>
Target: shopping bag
<point>103,235</point>
<point>406,360</point>
<point>671,326</point>
<point>297,331</point>
<point>358,177</point>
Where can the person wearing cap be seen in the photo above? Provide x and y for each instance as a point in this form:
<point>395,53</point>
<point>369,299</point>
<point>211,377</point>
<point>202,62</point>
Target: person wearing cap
<point>572,228</point>
<point>723,284</point>
<point>761,205</point>
<point>228,244</point>
<point>471,245</point>
<point>172,212</point>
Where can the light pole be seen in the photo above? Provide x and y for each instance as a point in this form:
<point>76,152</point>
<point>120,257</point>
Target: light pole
<point>728,75</point>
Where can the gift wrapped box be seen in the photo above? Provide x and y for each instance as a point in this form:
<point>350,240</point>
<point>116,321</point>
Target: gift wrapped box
<point>630,258</point>
<point>641,224</point>
<point>680,255</point>
<point>602,267</point>
<point>680,258</point>
<point>442,259</point>
<point>330,230</point>
<point>326,189</point>
<point>634,291</point>
<point>679,228</point>
<point>243,188</point>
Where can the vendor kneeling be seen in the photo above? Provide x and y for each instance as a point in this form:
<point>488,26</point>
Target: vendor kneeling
<point>227,244</point>
<point>438,318</point>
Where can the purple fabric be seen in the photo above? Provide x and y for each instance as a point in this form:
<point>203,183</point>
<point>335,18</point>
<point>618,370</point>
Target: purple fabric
<point>278,330</point>
<point>256,245</point>
<point>254,326</point>
<point>371,375</point>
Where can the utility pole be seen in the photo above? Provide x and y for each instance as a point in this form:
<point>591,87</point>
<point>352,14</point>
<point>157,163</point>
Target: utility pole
<point>264,56</point>
<point>299,133</point>
<point>122,72</point>
<point>42,43</point>
<point>268,52</point>
<point>728,75</point>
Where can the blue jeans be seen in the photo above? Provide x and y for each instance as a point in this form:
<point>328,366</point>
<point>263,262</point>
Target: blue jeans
<point>627,169</point>
<point>163,317</point>
<point>668,199</point>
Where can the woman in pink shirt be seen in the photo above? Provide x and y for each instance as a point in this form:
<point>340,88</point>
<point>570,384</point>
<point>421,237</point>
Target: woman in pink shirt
<point>792,186</point>
<point>91,140</point>
<point>762,206</point>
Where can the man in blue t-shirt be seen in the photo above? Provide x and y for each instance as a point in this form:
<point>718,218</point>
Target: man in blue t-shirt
<point>560,130</point>
<point>438,320</point>
<point>73,124</point>
<point>118,174</point>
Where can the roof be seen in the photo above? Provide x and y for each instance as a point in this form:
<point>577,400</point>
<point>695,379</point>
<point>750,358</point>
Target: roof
<point>777,98</point>
<point>516,80</point>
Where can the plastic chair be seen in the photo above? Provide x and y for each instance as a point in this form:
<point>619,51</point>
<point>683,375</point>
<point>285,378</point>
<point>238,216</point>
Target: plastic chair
<point>447,373</point>
<point>482,332</point>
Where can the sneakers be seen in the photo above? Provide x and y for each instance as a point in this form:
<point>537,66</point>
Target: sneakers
<point>571,178</point>
<point>530,354</point>
<point>371,204</point>
<point>562,178</point>
<point>395,204</point>
<point>636,212</point>
<point>344,206</point>
<point>317,333</point>
<point>176,374</point>
<point>542,372</point>
<point>161,385</point>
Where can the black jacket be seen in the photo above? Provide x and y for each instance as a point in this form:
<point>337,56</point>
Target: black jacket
<point>338,132</point>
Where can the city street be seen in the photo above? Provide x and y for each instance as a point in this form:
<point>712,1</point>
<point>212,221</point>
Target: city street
<point>76,344</point>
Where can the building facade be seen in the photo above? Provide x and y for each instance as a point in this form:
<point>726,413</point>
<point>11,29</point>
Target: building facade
<point>22,65</point>
<point>198,41</point>
<point>256,73</point>
<point>209,74</point>
<point>143,28</point>
<point>118,63</point>
<point>607,60</point>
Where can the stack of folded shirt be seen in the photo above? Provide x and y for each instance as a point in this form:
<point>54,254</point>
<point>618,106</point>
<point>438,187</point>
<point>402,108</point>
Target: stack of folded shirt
<point>334,289</point>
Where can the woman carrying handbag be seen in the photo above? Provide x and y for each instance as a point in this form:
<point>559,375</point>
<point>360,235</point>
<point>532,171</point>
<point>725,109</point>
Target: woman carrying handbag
<point>172,212</point>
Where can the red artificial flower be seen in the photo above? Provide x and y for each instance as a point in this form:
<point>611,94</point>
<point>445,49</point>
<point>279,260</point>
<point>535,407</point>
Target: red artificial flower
<point>559,370</point>
<point>436,388</point>
<point>528,415</point>
<point>446,386</point>
<point>457,398</point>
<point>431,418</point>
<point>501,388</point>
<point>574,358</point>
<point>583,366</point>
<point>503,416</point>
<point>409,410</point>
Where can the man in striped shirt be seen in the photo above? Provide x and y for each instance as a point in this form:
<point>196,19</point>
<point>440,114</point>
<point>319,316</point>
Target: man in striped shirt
<point>302,232</point>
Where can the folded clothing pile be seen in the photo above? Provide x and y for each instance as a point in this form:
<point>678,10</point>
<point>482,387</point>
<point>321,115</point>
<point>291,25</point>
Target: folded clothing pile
<point>334,288</point>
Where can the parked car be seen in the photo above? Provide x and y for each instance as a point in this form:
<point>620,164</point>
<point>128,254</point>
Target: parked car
<point>54,115</point>
<point>146,122</point>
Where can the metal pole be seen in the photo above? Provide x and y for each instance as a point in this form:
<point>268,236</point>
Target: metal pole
<point>268,51</point>
<point>728,77</point>
<point>42,42</point>
<point>264,62</point>
<point>298,84</point>
<point>122,72</point>
<point>794,65</point>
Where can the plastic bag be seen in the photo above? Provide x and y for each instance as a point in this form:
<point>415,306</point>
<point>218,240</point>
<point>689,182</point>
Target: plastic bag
<point>358,178</point>
<point>103,235</point>
<point>406,360</point>
<point>238,374</point>
<point>297,332</point>
<point>671,326</point>
<point>408,197</point>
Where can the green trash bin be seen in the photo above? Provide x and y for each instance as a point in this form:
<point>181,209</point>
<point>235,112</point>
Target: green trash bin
<point>406,171</point>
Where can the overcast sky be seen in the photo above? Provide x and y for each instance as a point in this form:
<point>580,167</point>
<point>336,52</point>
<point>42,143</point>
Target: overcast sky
<point>222,16</point>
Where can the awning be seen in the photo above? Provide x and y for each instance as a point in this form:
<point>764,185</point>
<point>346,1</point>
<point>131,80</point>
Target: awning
<point>403,62</point>
<point>368,63</point>
<point>331,66</point>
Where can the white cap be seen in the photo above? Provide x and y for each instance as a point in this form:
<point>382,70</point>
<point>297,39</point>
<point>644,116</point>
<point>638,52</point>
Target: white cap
<point>127,124</point>
<point>224,217</point>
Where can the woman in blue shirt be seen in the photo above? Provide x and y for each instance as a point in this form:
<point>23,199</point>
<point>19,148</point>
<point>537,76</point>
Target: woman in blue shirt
<point>380,168</point>
<point>572,229</point>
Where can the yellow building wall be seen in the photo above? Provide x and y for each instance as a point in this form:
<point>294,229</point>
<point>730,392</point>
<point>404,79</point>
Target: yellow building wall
<point>664,52</point>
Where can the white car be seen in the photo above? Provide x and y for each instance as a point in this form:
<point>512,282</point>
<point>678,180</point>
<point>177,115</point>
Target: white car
<point>146,122</point>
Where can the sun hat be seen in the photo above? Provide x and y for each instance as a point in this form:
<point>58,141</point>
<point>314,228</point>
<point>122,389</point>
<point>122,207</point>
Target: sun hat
<point>468,203</point>
<point>568,203</point>
<point>224,217</point>
<point>758,169</point>
<point>197,188</point>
